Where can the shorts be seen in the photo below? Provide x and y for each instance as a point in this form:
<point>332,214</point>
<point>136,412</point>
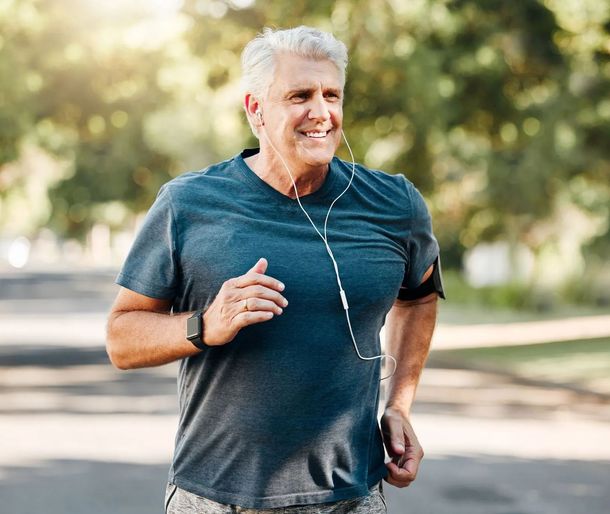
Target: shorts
<point>179,501</point>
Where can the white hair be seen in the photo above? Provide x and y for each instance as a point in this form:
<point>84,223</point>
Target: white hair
<point>258,57</point>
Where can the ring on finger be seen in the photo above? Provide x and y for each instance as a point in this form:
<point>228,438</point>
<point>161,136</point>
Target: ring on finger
<point>246,305</point>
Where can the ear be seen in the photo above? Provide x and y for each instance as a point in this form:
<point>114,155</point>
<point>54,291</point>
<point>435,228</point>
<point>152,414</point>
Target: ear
<point>252,106</point>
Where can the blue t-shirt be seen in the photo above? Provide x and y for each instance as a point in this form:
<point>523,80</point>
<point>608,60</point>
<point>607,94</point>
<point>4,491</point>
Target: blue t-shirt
<point>285,414</point>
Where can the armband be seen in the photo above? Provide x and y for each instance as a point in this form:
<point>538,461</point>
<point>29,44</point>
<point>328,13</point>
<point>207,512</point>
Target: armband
<point>433,284</point>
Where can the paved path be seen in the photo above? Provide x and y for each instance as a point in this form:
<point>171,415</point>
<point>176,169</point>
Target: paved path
<point>529,332</point>
<point>79,436</point>
<point>75,431</point>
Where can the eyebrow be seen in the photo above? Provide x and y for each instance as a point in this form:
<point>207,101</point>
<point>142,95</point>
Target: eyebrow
<point>309,89</point>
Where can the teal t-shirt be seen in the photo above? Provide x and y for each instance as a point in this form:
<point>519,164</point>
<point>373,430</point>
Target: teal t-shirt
<point>286,413</point>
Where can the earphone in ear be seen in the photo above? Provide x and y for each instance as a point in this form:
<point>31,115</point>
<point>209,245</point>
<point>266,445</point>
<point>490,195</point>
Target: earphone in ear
<point>259,114</point>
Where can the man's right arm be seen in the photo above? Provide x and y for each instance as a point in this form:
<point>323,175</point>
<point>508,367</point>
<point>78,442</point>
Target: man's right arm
<point>142,332</point>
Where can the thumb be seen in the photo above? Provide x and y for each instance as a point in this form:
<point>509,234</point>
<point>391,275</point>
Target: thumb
<point>394,436</point>
<point>260,266</point>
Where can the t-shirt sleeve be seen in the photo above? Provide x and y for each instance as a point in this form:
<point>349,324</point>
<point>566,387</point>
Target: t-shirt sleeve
<point>421,245</point>
<point>151,265</point>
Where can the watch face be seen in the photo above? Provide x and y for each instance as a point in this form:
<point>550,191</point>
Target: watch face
<point>193,327</point>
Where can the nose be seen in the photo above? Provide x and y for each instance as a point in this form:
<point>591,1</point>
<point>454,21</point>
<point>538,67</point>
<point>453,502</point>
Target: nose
<point>318,108</point>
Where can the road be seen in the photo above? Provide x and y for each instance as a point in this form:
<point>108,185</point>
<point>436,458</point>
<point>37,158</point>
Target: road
<point>81,437</point>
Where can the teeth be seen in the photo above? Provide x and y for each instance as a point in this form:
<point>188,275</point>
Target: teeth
<point>316,134</point>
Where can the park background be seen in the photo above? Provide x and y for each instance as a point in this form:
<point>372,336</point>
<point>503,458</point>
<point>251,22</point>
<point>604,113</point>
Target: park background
<point>499,112</point>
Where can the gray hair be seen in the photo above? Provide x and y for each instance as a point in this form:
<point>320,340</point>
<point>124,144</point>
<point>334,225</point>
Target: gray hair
<point>257,58</point>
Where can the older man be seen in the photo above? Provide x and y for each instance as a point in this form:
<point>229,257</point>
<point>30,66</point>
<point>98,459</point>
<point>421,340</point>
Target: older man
<point>273,303</point>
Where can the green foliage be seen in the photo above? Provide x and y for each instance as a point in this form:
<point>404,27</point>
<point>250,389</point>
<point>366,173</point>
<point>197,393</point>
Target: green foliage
<point>85,100</point>
<point>583,364</point>
<point>509,296</point>
<point>498,111</point>
<point>591,288</point>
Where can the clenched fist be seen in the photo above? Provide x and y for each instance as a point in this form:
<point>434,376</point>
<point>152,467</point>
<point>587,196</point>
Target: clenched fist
<point>242,301</point>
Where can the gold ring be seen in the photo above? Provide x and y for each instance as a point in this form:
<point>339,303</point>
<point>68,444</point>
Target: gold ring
<point>246,305</point>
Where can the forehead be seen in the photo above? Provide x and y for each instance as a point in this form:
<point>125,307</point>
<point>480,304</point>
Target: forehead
<point>296,72</point>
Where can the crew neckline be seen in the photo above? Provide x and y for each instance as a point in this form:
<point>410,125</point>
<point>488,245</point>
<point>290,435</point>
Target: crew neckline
<point>322,192</point>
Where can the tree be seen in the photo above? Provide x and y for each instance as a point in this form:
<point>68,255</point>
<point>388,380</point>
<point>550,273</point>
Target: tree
<point>497,111</point>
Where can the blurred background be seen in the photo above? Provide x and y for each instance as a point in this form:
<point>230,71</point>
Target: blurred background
<point>499,112</point>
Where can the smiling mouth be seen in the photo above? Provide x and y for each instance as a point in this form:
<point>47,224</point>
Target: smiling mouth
<point>316,134</point>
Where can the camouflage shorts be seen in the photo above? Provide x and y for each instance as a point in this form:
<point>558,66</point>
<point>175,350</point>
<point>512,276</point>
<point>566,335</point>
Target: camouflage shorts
<point>179,501</point>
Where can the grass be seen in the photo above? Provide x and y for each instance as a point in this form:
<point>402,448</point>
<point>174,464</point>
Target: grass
<point>459,314</point>
<point>507,303</point>
<point>583,363</point>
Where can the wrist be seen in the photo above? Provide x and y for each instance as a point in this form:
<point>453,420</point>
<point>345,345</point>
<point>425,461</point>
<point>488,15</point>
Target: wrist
<point>210,338</point>
<point>403,410</point>
<point>207,336</point>
<point>195,330</point>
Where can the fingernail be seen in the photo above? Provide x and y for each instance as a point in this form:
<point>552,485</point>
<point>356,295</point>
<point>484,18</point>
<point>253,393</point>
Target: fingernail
<point>281,286</point>
<point>285,302</point>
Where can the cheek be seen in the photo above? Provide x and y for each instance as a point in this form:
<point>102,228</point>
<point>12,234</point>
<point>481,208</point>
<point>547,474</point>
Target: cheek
<point>299,116</point>
<point>337,116</point>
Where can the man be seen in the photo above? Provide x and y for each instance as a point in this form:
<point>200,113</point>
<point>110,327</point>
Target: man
<point>279,377</point>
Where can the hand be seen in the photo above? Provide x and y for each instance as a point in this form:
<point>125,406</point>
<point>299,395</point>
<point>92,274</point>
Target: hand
<point>242,301</point>
<point>402,447</point>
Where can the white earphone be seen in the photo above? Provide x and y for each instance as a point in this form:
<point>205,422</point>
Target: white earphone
<point>325,240</point>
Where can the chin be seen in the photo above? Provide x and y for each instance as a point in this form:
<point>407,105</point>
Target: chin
<point>317,157</point>
<point>318,160</point>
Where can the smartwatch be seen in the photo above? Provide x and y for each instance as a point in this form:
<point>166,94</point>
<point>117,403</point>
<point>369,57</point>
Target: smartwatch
<point>194,330</point>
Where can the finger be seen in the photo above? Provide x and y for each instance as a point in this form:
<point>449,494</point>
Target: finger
<point>258,304</point>
<point>399,476</point>
<point>410,459</point>
<point>411,465</point>
<point>398,481</point>
<point>246,318</point>
<point>414,452</point>
<point>252,278</point>
<point>266,293</point>
<point>260,266</point>
<point>393,435</point>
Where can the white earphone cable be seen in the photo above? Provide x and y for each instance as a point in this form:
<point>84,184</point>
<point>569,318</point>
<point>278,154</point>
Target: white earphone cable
<point>329,251</point>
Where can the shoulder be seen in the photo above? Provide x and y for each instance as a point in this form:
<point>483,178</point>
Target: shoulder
<point>194,183</point>
<point>393,188</point>
<point>373,177</point>
<point>372,174</point>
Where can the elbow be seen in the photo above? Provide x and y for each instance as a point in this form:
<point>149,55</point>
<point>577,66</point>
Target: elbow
<point>116,358</point>
<point>114,346</point>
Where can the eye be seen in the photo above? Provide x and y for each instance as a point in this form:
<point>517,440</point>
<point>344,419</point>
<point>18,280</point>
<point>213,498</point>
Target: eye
<point>299,97</point>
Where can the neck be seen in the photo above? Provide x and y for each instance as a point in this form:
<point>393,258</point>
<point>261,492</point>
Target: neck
<point>270,169</point>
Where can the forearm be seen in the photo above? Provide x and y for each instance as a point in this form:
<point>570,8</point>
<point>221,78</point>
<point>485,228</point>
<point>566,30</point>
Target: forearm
<point>138,339</point>
<point>409,329</point>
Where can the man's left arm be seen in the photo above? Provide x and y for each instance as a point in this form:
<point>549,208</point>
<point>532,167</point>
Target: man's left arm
<point>408,328</point>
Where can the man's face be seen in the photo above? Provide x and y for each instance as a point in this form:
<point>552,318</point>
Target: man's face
<point>303,111</point>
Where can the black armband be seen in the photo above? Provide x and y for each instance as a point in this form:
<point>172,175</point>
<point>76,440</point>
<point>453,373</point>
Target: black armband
<point>433,284</point>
